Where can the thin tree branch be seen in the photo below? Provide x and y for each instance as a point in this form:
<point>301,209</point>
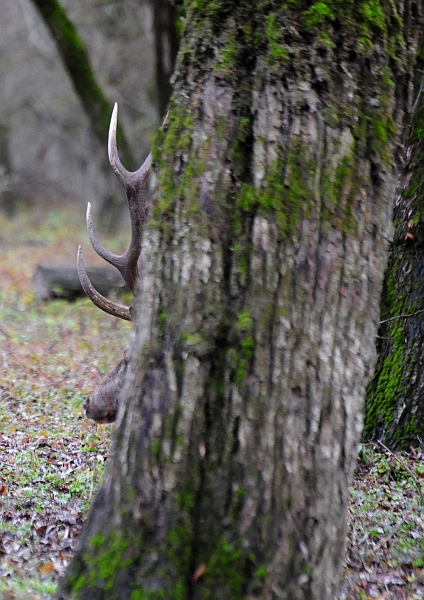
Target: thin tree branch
<point>402,316</point>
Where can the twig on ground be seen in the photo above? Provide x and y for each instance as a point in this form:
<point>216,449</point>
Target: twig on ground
<point>406,316</point>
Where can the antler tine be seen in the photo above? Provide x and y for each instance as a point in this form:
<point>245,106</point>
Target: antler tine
<point>112,308</point>
<point>109,256</point>
<point>125,263</point>
<point>127,178</point>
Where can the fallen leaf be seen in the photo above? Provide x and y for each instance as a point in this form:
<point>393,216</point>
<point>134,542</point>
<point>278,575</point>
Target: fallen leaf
<point>199,572</point>
<point>48,568</point>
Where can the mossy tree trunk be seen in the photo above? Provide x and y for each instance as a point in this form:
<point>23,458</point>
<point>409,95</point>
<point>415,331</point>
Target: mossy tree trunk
<point>258,305</point>
<point>394,403</point>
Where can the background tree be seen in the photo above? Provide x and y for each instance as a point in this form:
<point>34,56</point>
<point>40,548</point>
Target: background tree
<point>50,150</point>
<point>165,20</point>
<point>76,61</point>
<point>394,405</point>
<point>96,105</point>
<point>258,304</point>
<point>74,55</point>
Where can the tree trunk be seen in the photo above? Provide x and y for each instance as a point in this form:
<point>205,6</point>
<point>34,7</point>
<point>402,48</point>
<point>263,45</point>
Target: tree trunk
<point>97,107</point>
<point>258,305</point>
<point>76,62</point>
<point>394,410</point>
<point>166,48</point>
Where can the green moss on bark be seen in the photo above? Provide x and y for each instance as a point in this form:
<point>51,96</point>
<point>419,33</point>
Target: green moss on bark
<point>172,143</point>
<point>392,378</point>
<point>277,50</point>
<point>224,571</point>
<point>288,193</point>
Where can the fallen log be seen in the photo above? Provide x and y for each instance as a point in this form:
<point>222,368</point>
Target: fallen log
<point>51,282</point>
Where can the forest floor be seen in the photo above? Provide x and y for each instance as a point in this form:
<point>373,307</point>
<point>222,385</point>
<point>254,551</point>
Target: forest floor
<point>52,458</point>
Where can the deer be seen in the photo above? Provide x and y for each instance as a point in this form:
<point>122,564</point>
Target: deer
<point>102,405</point>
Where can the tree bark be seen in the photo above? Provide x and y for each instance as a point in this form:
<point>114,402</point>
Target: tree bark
<point>258,305</point>
<point>394,411</point>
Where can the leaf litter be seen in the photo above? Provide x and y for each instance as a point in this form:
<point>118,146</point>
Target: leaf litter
<point>52,458</point>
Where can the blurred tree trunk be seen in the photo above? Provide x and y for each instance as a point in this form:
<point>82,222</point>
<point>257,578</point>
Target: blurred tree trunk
<point>76,62</point>
<point>166,48</point>
<point>258,305</point>
<point>96,106</point>
<point>394,403</point>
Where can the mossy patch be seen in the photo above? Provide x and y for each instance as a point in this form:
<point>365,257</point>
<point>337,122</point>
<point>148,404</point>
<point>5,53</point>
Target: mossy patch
<point>170,144</point>
<point>381,400</point>
<point>319,13</point>
<point>224,571</point>
<point>391,380</point>
<point>106,557</point>
<point>383,128</point>
<point>288,193</point>
<point>277,50</point>
<point>340,187</point>
<point>227,54</point>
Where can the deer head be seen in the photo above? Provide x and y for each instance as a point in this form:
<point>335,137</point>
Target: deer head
<point>102,405</point>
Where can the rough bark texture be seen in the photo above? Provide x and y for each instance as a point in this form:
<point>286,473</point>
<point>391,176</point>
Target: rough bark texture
<point>394,403</point>
<point>257,309</point>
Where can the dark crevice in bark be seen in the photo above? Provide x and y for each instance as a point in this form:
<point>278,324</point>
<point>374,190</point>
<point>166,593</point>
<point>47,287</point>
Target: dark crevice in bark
<point>196,527</point>
<point>273,318</point>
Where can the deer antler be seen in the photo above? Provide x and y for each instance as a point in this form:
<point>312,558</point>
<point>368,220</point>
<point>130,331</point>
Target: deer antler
<point>112,308</point>
<point>127,263</point>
